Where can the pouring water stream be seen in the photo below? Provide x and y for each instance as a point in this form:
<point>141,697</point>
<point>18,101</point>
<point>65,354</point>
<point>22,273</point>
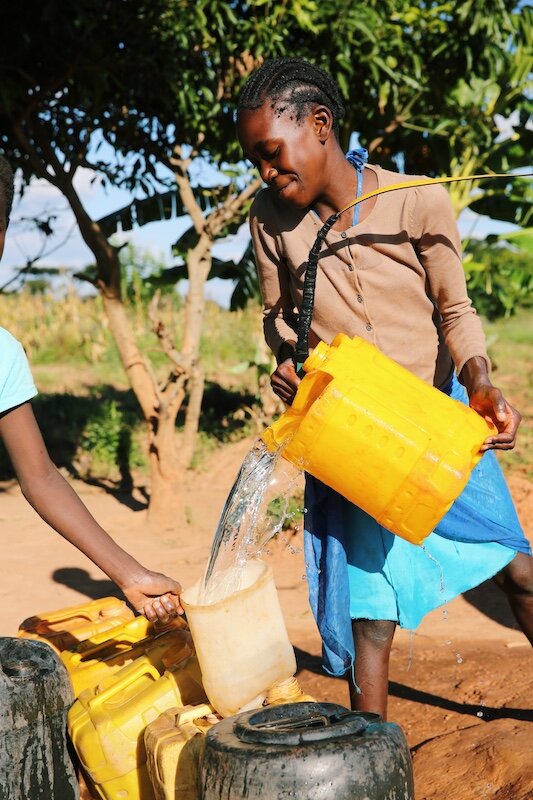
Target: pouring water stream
<point>245,526</point>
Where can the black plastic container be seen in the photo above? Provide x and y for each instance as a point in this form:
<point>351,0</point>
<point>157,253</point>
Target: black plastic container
<point>35,695</point>
<point>307,751</point>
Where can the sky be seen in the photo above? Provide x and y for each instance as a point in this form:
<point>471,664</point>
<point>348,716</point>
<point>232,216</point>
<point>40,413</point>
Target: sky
<point>66,248</point>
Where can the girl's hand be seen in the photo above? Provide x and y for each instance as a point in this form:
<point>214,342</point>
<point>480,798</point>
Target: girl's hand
<point>284,381</point>
<point>489,403</point>
<point>154,595</point>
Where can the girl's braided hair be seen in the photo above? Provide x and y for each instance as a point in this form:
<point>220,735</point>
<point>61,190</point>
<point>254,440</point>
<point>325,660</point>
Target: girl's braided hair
<point>292,82</point>
<point>7,184</point>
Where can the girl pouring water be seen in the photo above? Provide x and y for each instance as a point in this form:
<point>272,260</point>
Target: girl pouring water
<point>390,272</point>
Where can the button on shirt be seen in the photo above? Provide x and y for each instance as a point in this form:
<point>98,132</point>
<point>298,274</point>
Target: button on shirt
<point>396,279</point>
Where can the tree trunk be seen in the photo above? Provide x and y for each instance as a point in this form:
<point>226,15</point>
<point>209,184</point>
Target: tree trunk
<point>192,417</point>
<point>131,357</point>
<point>166,475</point>
<point>199,264</point>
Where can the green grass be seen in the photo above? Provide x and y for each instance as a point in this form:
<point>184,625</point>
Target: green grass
<point>511,350</point>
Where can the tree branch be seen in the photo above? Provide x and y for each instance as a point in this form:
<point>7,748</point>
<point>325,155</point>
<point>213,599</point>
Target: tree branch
<point>33,154</point>
<point>180,166</point>
<point>181,365</point>
<point>230,208</point>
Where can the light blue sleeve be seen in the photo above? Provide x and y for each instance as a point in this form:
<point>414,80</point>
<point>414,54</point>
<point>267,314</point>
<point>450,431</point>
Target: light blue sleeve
<point>16,382</point>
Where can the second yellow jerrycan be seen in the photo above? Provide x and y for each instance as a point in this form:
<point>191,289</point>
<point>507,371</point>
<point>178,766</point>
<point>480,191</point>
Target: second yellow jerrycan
<point>106,724</point>
<point>398,448</point>
<point>95,659</point>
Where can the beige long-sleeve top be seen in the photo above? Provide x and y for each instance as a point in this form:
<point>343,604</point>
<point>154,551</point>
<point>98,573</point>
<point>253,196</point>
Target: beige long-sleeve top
<point>395,279</point>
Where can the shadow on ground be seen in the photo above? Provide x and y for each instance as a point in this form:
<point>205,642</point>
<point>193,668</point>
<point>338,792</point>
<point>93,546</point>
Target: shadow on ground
<point>80,580</point>
<point>312,663</point>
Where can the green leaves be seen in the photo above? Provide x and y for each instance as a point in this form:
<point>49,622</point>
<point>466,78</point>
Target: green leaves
<point>499,277</point>
<point>522,239</point>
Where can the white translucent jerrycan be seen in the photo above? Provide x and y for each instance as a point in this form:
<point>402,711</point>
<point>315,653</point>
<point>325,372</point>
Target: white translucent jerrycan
<point>241,641</point>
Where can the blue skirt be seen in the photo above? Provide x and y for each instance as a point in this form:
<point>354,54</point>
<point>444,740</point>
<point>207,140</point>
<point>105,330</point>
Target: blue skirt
<point>356,569</point>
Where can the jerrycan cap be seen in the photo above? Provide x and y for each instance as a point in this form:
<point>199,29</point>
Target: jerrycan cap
<point>21,668</point>
<point>300,723</point>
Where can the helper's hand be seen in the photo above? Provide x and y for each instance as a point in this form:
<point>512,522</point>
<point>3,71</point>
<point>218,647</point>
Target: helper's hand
<point>490,403</point>
<point>154,595</point>
<point>284,381</point>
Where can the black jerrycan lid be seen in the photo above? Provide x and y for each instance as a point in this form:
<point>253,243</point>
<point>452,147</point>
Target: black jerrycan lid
<point>22,668</point>
<point>299,723</point>
<point>25,659</point>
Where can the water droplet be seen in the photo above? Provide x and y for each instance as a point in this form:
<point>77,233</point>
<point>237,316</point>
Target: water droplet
<point>459,658</point>
<point>479,713</point>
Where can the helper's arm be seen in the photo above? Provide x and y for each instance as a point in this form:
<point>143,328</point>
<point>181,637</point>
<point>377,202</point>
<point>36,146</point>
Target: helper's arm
<point>151,593</point>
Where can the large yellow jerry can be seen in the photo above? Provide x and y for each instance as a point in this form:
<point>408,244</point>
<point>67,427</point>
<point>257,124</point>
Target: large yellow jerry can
<point>95,659</point>
<point>371,430</point>
<point>106,724</point>
<point>174,748</point>
<point>65,628</point>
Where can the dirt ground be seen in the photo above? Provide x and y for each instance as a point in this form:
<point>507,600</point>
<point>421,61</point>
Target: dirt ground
<point>461,685</point>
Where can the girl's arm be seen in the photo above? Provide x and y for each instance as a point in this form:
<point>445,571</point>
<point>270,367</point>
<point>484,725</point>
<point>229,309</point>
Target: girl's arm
<point>279,318</point>
<point>279,321</point>
<point>151,593</point>
<point>438,246</point>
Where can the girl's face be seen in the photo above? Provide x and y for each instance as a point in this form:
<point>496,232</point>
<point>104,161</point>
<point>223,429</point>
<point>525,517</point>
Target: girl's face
<point>289,154</point>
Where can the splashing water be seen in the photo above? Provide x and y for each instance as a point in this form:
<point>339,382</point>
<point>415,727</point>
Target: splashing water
<point>245,526</point>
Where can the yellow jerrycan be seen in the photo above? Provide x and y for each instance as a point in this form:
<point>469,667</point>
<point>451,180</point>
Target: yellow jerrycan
<point>65,628</point>
<point>174,745</point>
<point>106,724</point>
<point>380,436</point>
<point>95,659</point>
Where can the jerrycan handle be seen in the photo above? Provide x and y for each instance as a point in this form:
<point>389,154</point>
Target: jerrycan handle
<point>134,672</point>
<point>191,713</point>
<point>130,631</point>
<point>96,647</point>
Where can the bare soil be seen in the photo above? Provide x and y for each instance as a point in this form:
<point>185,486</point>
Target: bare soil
<point>461,685</point>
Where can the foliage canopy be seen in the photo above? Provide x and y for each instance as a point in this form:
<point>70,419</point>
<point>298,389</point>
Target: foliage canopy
<point>422,80</point>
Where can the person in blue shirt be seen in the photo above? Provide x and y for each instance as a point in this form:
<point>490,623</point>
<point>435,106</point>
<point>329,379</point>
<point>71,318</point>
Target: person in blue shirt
<point>151,593</point>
